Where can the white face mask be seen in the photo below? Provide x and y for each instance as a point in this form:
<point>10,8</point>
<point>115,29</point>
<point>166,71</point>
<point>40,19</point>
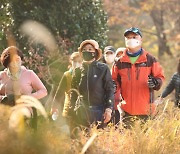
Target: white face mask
<point>76,65</point>
<point>15,65</point>
<point>132,43</point>
<point>109,58</point>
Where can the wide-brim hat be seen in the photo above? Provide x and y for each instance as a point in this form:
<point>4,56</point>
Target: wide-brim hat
<point>94,44</point>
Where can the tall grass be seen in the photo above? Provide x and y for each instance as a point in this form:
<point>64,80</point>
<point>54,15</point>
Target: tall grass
<point>160,135</point>
<point>156,136</point>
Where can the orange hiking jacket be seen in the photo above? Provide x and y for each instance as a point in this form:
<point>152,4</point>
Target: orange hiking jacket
<point>131,80</point>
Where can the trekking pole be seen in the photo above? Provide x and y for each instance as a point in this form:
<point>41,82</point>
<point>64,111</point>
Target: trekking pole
<point>151,98</point>
<point>120,110</point>
<point>151,101</point>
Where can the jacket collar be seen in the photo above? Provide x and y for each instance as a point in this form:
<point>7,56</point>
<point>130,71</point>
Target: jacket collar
<point>23,68</point>
<point>92,63</point>
<point>142,57</point>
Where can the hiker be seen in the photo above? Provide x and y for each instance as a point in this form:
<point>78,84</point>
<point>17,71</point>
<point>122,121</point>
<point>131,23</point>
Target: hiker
<point>109,56</point>
<point>118,98</point>
<point>16,80</point>
<point>94,84</point>
<point>119,53</point>
<point>174,84</point>
<point>137,74</point>
<point>75,61</point>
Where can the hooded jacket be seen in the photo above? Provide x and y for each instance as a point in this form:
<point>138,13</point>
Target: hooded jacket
<point>174,83</point>
<point>94,83</point>
<point>132,79</point>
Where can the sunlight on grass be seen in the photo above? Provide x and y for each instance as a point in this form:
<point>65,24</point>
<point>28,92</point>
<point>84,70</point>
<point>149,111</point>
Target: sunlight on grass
<point>160,135</point>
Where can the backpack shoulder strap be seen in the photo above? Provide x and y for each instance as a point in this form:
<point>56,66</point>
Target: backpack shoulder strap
<point>76,78</point>
<point>68,76</point>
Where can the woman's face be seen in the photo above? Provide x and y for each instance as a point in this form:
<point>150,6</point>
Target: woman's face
<point>88,53</point>
<point>89,48</point>
<point>76,62</point>
<point>15,62</point>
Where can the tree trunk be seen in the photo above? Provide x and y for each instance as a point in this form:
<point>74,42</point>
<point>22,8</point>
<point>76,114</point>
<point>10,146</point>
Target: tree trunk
<point>157,17</point>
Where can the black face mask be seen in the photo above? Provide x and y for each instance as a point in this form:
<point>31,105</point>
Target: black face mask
<point>87,56</point>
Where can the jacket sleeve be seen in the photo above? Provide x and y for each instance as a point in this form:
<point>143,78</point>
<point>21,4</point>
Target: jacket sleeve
<point>1,87</point>
<point>158,74</point>
<point>1,84</point>
<point>109,89</point>
<point>62,87</point>
<point>169,88</point>
<point>37,85</point>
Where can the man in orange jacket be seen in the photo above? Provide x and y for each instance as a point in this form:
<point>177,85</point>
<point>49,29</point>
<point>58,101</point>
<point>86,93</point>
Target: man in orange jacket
<point>137,74</point>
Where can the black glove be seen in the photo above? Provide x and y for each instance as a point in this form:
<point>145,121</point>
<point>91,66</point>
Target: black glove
<point>152,82</point>
<point>8,100</point>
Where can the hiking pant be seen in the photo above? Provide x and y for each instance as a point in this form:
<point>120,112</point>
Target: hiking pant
<point>129,120</point>
<point>116,117</point>
<point>92,115</point>
<point>95,114</point>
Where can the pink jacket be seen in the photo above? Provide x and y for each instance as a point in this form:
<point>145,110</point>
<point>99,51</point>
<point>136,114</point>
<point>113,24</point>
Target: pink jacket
<point>28,81</point>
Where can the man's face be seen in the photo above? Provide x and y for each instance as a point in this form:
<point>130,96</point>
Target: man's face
<point>133,41</point>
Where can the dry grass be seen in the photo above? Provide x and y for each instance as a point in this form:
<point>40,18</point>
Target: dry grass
<point>160,135</point>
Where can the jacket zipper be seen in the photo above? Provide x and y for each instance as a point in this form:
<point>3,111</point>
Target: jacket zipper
<point>131,88</point>
<point>137,72</point>
<point>129,74</point>
<point>88,84</point>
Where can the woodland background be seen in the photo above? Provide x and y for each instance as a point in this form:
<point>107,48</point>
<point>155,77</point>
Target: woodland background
<point>66,23</point>
<point>71,22</point>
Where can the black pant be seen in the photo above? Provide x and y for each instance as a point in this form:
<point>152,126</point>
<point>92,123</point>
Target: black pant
<point>129,120</point>
<point>116,117</point>
<point>177,103</point>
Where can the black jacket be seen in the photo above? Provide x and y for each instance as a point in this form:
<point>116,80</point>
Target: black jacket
<point>95,84</point>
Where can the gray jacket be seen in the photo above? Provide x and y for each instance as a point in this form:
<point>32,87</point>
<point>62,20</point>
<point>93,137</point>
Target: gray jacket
<point>173,84</point>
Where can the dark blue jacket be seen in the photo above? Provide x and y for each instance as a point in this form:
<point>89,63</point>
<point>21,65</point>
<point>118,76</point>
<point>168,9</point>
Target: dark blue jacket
<point>94,82</point>
<point>174,84</point>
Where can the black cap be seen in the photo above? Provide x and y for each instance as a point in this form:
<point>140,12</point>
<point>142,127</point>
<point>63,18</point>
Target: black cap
<point>134,30</point>
<point>109,48</point>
